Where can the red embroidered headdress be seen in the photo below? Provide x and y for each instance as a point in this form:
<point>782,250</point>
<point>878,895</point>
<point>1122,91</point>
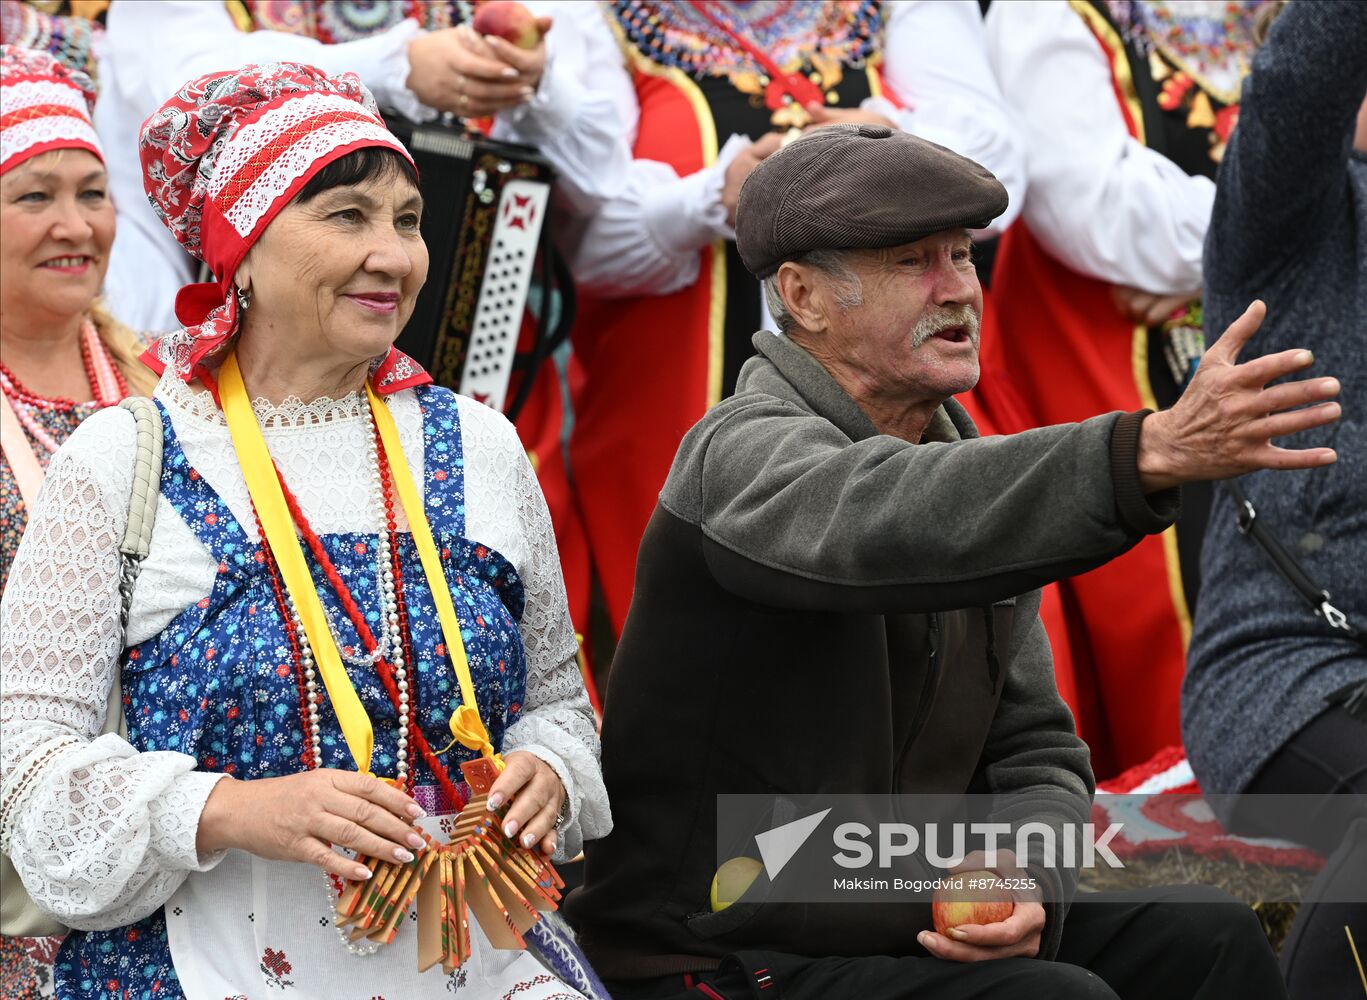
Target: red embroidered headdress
<point>43,106</point>
<point>222,157</point>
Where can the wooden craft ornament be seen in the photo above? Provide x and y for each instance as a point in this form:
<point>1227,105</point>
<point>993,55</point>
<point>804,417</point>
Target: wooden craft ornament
<point>480,871</point>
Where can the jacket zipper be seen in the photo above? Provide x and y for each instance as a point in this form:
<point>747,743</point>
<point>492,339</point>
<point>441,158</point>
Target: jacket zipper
<point>927,697</point>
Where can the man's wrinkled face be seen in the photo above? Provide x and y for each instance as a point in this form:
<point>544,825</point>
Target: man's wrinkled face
<point>915,333</point>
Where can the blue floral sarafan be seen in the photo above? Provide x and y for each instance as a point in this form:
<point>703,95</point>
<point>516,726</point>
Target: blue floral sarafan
<point>218,682</point>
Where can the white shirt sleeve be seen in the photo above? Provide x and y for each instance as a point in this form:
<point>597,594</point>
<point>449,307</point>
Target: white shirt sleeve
<point>191,38</point>
<point>634,226</point>
<point>572,120</point>
<point>936,65</point>
<point>646,235</point>
<point>504,501</point>
<point>100,834</point>
<point>1099,200</point>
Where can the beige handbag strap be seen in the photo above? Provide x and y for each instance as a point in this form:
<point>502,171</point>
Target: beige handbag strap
<point>28,473</point>
<point>137,536</point>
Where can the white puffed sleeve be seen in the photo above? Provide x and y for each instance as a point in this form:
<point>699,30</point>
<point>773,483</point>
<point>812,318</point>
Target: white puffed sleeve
<point>936,65</point>
<point>635,226</point>
<point>575,118</point>
<point>1099,200</point>
<point>504,502</point>
<point>100,834</point>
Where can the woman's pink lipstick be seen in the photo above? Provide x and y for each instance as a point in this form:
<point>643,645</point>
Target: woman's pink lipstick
<point>380,302</point>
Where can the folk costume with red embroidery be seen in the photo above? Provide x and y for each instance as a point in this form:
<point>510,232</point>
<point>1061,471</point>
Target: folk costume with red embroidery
<point>365,583</point>
<point>1126,107</point>
<point>666,309</point>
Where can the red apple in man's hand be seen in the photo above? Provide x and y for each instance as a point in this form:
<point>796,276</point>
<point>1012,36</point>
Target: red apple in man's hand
<point>509,20</point>
<point>986,904</point>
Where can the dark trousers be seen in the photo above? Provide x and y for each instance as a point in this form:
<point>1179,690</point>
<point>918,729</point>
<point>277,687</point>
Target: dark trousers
<point>1327,757</point>
<point>1138,945</point>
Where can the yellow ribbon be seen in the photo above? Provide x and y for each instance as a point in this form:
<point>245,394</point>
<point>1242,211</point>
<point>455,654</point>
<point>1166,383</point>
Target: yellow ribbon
<point>264,486</point>
<point>466,725</point>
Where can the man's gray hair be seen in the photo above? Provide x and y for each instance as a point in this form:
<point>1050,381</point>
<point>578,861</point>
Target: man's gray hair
<point>835,264</point>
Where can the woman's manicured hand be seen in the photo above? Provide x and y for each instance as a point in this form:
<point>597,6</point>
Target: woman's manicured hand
<point>536,794</point>
<point>456,70</point>
<point>296,818</point>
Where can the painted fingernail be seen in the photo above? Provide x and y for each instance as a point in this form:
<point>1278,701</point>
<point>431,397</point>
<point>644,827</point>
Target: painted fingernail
<point>528,839</point>
<point>402,856</point>
<point>416,842</point>
<point>360,873</point>
<point>416,811</point>
<point>495,801</point>
<point>510,829</point>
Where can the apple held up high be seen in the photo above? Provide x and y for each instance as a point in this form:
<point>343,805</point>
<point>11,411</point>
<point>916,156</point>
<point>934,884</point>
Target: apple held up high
<point>509,20</point>
<point>987,904</point>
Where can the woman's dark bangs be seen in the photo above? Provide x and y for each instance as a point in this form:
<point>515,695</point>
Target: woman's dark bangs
<point>371,163</point>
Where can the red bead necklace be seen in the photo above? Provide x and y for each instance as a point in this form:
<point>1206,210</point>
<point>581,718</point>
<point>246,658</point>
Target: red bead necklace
<point>417,742</point>
<point>19,393</point>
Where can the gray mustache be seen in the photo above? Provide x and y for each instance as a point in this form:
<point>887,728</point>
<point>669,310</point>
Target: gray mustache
<point>942,318</point>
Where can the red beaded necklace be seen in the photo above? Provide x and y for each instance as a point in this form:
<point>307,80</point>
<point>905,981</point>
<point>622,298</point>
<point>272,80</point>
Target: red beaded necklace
<point>417,741</point>
<point>19,393</point>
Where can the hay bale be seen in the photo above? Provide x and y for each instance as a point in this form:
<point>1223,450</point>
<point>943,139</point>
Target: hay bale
<point>1273,893</point>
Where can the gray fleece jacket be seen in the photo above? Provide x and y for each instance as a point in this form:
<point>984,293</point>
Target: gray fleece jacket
<point>800,564</point>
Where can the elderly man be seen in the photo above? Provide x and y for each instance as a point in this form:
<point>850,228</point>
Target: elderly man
<point>836,594</point>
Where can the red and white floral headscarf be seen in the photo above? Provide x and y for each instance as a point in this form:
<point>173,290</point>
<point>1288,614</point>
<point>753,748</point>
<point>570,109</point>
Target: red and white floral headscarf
<point>220,160</point>
<point>43,106</point>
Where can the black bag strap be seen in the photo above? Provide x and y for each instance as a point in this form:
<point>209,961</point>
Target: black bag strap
<point>1317,597</point>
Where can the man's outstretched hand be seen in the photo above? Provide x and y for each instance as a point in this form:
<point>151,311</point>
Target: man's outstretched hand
<point>1224,423</point>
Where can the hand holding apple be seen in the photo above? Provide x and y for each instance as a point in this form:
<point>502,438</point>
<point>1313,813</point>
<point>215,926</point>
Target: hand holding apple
<point>949,908</point>
<point>512,35</point>
<point>509,20</point>
<point>460,71</point>
<point>997,924</point>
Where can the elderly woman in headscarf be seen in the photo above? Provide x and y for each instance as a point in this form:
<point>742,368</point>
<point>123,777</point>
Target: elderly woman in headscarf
<point>62,356</point>
<point>348,567</point>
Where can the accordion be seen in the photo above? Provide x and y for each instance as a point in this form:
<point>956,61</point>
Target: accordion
<point>485,205</point>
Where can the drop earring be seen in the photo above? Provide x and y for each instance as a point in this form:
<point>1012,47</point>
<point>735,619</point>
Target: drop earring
<point>244,299</point>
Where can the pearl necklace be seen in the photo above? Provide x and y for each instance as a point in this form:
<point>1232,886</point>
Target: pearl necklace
<point>388,646</point>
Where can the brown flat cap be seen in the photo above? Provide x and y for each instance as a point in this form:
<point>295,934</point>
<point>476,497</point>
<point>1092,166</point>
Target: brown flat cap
<point>858,186</point>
